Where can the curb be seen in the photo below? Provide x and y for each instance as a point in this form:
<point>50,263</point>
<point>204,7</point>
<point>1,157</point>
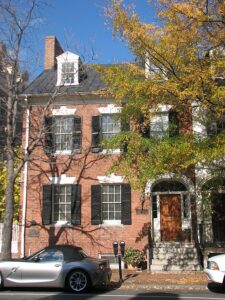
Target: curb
<point>163,287</point>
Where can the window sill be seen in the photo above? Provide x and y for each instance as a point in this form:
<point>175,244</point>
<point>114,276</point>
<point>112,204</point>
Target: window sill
<point>111,151</point>
<point>61,224</point>
<point>67,152</point>
<point>111,224</point>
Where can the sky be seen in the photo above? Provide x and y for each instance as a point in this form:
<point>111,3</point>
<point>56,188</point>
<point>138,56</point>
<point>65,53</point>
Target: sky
<point>80,26</point>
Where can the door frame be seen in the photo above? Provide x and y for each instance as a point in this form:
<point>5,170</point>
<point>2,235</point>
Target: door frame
<point>156,218</point>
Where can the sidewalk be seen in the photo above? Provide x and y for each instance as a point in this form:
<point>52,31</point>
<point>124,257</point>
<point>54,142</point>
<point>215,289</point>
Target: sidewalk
<point>192,281</point>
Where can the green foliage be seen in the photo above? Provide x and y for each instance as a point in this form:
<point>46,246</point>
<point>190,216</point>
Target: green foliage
<point>3,182</point>
<point>133,256</point>
<point>180,48</point>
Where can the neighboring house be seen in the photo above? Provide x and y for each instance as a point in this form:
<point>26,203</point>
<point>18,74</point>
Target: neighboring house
<point>68,196</point>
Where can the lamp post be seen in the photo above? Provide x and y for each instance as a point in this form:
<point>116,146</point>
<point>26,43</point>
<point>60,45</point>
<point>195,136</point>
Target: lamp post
<point>122,251</point>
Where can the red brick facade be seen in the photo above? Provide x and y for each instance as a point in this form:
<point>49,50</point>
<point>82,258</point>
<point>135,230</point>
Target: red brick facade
<point>86,166</point>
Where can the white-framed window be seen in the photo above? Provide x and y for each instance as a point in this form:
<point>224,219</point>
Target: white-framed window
<point>111,203</point>
<point>61,205</point>
<point>68,73</point>
<point>63,131</point>
<point>63,134</point>
<point>110,126</point>
<point>159,125</point>
<point>68,69</point>
<point>164,123</point>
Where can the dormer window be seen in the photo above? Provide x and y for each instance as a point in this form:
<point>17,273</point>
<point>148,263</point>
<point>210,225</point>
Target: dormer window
<point>68,69</point>
<point>68,73</point>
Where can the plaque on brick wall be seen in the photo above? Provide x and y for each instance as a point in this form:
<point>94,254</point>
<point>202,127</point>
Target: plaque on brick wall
<point>33,232</point>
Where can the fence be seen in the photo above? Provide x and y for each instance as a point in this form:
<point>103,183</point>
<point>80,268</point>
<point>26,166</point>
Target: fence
<point>15,238</point>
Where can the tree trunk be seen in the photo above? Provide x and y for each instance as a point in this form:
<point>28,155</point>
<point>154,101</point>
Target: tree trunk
<point>9,197</point>
<point>9,209</point>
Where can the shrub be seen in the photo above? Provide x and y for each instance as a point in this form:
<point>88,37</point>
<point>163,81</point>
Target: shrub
<point>133,256</point>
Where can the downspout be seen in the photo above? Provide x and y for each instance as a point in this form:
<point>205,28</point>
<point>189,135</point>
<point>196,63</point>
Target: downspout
<point>24,205</point>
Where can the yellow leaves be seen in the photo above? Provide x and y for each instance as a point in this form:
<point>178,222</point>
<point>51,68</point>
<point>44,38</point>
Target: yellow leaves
<point>182,69</point>
<point>3,183</point>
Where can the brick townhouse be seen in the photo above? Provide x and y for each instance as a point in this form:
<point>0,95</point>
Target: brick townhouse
<point>69,195</point>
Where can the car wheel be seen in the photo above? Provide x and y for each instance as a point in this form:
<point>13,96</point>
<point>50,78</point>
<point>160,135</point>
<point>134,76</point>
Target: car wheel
<point>1,281</point>
<point>78,281</point>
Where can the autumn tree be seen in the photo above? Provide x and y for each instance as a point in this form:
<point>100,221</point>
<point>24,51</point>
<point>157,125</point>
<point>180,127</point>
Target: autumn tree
<point>18,19</point>
<point>180,63</point>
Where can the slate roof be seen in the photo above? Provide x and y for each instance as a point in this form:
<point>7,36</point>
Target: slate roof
<point>45,83</point>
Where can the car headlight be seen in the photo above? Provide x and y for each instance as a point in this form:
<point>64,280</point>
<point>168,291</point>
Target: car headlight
<point>212,265</point>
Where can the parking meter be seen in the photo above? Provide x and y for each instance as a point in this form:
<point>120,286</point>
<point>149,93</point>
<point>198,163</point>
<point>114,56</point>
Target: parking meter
<point>122,248</point>
<point>115,248</point>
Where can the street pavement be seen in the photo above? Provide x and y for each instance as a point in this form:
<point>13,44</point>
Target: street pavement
<point>136,285</point>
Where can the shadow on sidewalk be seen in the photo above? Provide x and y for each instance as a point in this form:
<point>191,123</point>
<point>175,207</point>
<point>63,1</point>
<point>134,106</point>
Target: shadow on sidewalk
<point>216,288</point>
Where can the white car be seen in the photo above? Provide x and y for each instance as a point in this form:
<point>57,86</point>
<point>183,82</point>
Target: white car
<point>215,270</point>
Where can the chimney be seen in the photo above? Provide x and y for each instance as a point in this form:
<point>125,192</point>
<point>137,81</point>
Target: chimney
<point>52,50</point>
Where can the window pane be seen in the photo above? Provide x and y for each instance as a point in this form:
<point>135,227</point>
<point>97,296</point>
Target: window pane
<point>111,189</point>
<point>111,216</point>
<point>111,197</point>
<point>117,198</point>
<point>62,203</point>
<point>110,194</point>
<point>111,207</point>
<point>118,207</point>
<point>63,133</point>
<point>117,189</point>
<point>110,126</point>
<point>159,125</point>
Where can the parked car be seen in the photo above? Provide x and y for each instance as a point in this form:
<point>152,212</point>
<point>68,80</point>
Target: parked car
<point>215,270</point>
<point>61,266</point>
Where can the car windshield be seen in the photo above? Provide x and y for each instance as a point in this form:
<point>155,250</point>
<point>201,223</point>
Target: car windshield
<point>82,253</point>
<point>33,255</point>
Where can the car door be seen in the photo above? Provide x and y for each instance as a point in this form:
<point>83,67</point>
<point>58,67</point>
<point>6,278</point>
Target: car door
<point>43,269</point>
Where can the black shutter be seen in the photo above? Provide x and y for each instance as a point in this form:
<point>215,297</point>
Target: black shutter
<point>96,134</point>
<point>77,134</point>
<point>125,204</point>
<point>96,211</point>
<point>173,123</point>
<point>49,138</point>
<point>47,205</point>
<point>76,204</point>
<point>125,125</point>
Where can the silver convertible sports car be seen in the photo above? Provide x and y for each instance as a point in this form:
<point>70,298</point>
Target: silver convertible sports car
<point>61,266</point>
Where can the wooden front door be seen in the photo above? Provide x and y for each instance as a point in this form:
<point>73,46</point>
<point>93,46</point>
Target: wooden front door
<point>170,217</point>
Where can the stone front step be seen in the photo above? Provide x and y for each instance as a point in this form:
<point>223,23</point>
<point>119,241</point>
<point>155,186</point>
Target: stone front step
<point>174,256</point>
<point>175,261</point>
<point>173,268</point>
<point>187,256</point>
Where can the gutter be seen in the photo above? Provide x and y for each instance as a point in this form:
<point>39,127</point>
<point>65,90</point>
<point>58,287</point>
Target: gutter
<point>25,174</point>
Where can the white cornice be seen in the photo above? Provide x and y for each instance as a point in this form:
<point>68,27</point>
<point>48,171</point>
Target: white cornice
<point>112,178</point>
<point>110,109</point>
<point>63,111</point>
<point>62,179</point>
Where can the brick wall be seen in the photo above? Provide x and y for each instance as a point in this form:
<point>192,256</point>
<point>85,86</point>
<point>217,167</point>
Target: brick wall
<point>86,166</point>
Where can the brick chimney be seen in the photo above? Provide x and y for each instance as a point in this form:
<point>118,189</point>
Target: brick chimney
<point>52,50</point>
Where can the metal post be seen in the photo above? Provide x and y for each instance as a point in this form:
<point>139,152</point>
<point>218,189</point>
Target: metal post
<point>120,268</point>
